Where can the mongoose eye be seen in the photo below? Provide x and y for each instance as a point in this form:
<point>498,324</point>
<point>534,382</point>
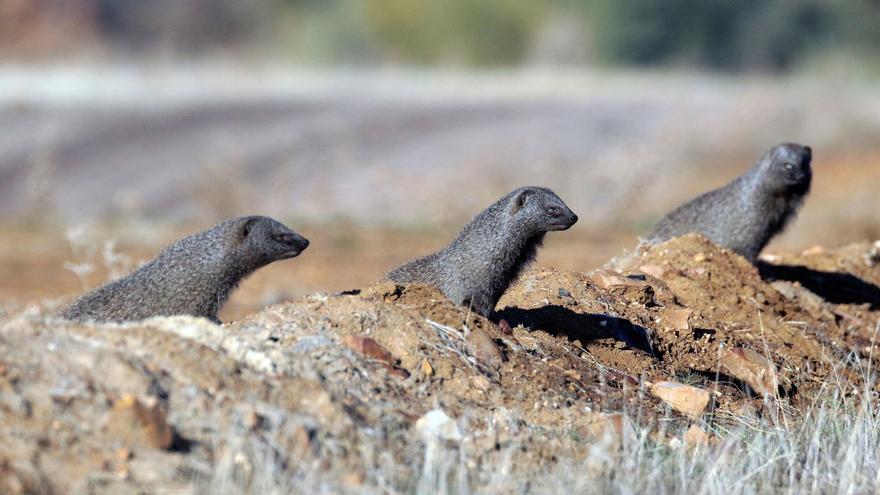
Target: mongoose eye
<point>789,166</point>
<point>554,210</point>
<point>284,238</point>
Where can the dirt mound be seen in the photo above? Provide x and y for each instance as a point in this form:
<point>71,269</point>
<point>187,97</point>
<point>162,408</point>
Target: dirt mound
<point>364,390</point>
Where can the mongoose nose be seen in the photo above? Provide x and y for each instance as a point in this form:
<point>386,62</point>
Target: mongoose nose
<point>304,242</point>
<point>574,218</point>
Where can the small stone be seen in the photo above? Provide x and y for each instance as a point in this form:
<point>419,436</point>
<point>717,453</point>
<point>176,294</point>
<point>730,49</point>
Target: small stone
<point>373,350</point>
<point>770,258</point>
<point>677,319</point>
<point>699,257</point>
<point>695,437</point>
<point>485,349</point>
<point>633,288</point>
<point>436,424</point>
<point>252,420</point>
<point>368,347</point>
<point>302,439</point>
<point>605,279</point>
<point>398,372</point>
<point>655,271</point>
<point>688,400</point>
<point>139,423</point>
<point>122,454</point>
<point>753,369</point>
<point>426,368</point>
<point>504,326</point>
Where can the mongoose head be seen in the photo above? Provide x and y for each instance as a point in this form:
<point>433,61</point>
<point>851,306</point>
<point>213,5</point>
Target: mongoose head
<point>538,209</point>
<point>785,168</point>
<point>262,240</point>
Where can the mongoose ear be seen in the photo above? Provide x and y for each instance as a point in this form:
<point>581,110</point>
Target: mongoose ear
<point>246,226</point>
<point>520,200</point>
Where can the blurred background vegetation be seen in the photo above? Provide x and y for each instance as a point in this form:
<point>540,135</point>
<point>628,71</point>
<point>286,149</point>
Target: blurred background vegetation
<point>743,35</point>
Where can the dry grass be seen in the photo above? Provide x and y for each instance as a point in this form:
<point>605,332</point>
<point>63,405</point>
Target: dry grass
<point>832,447</point>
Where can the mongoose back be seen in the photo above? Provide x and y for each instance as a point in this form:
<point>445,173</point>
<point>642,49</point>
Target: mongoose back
<point>491,251</point>
<point>744,215</point>
<point>194,275</point>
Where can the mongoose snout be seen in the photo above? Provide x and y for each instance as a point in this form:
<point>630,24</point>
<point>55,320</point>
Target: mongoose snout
<point>272,240</point>
<point>292,243</point>
<point>563,219</point>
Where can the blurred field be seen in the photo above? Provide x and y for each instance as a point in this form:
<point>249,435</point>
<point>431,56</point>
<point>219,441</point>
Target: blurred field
<point>206,143</point>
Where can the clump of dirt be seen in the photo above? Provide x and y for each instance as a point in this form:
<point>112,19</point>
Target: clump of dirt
<point>360,390</point>
<point>804,329</point>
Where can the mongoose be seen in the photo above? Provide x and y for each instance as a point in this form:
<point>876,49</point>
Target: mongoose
<point>194,275</point>
<point>491,251</point>
<point>744,215</point>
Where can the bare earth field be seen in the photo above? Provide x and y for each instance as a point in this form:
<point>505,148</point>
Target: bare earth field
<point>675,369</point>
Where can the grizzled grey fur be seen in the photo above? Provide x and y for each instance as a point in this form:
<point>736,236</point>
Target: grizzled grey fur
<point>194,275</point>
<point>491,251</point>
<point>744,215</point>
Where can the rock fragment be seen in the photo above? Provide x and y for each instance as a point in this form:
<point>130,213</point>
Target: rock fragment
<point>753,369</point>
<point>688,400</point>
<point>139,423</point>
<point>695,436</point>
<point>368,347</point>
<point>485,349</point>
<point>676,319</point>
<point>436,424</point>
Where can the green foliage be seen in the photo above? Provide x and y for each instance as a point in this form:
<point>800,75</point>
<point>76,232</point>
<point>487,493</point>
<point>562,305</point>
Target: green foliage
<point>486,32</point>
<point>325,31</point>
<point>745,34</point>
<point>770,35</point>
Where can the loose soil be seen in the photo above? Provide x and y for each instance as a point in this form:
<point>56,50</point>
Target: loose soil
<point>335,391</point>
